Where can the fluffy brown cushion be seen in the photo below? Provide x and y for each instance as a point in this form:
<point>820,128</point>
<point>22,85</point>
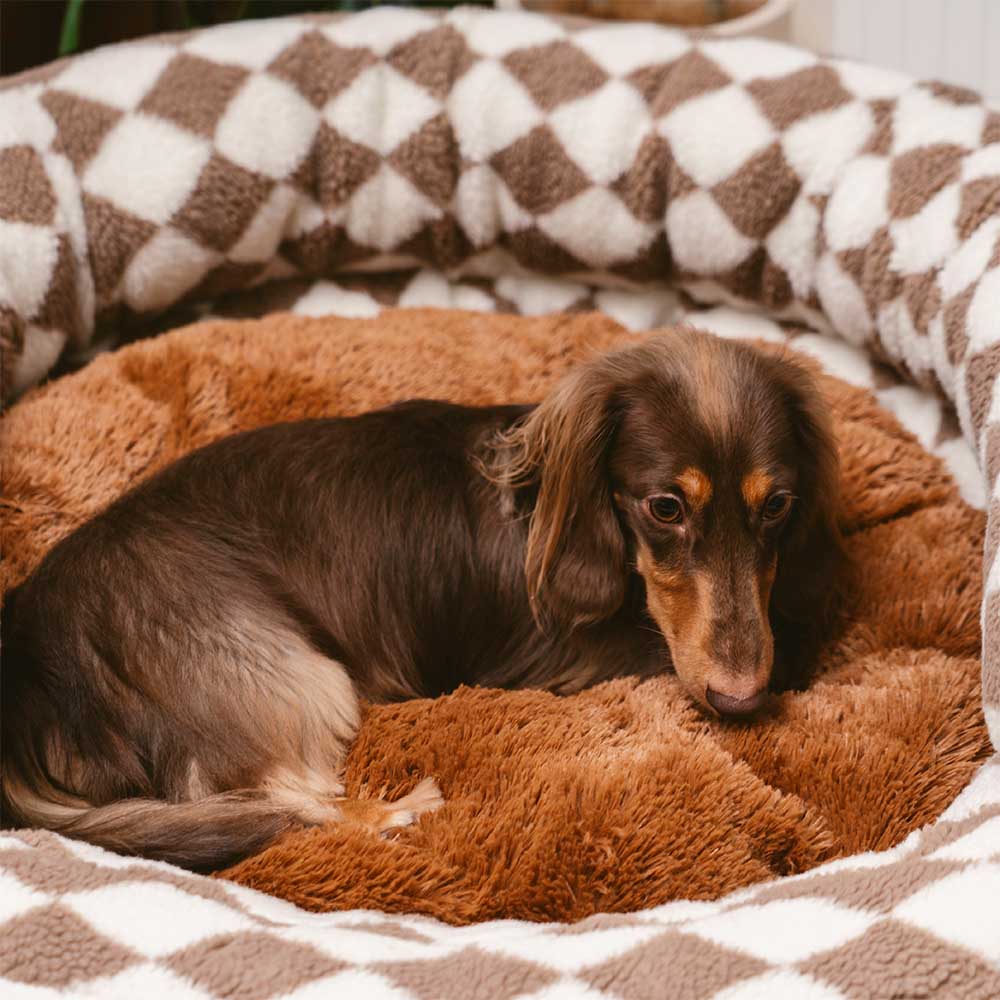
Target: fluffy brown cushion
<point>623,796</point>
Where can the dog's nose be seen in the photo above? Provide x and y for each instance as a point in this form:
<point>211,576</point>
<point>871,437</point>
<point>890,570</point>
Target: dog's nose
<point>727,704</point>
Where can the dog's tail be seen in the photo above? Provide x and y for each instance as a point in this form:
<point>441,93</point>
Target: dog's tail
<point>202,834</point>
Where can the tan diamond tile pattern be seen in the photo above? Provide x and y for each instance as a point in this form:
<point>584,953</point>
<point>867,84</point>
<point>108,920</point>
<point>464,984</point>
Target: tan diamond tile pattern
<point>51,946</point>
<point>252,966</point>
<point>473,972</point>
<point>500,160</point>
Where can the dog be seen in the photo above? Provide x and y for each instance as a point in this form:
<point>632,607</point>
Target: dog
<point>182,674</point>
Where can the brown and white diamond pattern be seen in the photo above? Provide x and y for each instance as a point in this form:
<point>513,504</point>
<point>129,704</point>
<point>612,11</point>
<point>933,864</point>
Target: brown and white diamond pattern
<point>325,141</point>
<point>44,292</point>
<point>149,153</point>
<point>359,91</point>
<point>186,167</point>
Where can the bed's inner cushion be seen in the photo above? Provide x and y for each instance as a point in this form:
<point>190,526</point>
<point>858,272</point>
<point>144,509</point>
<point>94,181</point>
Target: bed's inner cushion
<point>618,798</point>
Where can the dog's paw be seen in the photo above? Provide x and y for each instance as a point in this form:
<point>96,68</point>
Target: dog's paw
<point>426,797</point>
<point>381,816</point>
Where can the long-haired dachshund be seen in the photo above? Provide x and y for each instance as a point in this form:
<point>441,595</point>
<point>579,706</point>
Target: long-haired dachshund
<point>182,674</point>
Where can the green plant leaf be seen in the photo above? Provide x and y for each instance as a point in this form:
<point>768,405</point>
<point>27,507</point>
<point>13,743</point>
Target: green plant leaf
<point>69,37</point>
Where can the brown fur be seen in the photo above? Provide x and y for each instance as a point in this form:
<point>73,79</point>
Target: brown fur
<point>631,426</point>
<point>617,797</point>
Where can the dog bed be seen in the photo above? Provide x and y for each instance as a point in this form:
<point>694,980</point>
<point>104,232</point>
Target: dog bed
<point>832,195</point>
<point>617,798</point>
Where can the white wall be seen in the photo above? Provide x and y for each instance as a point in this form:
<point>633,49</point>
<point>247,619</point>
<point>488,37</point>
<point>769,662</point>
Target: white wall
<point>953,40</point>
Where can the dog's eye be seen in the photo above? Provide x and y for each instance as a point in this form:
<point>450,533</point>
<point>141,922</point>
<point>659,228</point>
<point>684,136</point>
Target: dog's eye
<point>667,509</point>
<point>776,506</point>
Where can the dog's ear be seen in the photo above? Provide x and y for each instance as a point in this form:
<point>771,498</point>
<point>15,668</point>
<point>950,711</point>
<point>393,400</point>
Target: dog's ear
<point>575,563</point>
<point>811,561</point>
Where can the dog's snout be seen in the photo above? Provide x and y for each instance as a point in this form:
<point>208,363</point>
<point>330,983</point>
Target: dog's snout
<point>729,704</point>
<point>743,644</point>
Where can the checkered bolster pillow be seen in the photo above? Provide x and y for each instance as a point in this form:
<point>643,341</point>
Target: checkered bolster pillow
<point>177,169</point>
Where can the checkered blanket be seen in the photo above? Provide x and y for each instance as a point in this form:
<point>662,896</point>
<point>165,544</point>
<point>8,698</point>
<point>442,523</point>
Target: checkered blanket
<point>507,161</point>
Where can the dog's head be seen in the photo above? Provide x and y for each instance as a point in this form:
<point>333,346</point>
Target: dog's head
<point>709,469</point>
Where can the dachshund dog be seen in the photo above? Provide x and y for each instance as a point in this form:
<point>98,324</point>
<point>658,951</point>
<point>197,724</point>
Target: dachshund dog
<point>182,674</point>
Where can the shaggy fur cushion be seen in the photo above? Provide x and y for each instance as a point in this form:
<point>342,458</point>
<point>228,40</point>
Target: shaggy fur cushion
<point>623,796</point>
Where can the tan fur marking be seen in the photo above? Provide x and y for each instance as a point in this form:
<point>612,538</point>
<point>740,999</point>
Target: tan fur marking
<point>302,703</point>
<point>765,582</point>
<point>707,371</point>
<point>196,787</point>
<point>696,485</point>
<point>306,793</point>
<point>657,577</point>
<point>756,488</point>
<point>681,606</point>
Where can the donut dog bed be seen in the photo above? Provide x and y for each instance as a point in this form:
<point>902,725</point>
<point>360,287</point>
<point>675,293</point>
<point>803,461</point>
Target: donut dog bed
<point>342,166</point>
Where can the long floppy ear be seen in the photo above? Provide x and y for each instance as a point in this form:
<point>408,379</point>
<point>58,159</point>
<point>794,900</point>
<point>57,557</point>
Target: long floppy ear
<point>575,562</point>
<point>811,560</point>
